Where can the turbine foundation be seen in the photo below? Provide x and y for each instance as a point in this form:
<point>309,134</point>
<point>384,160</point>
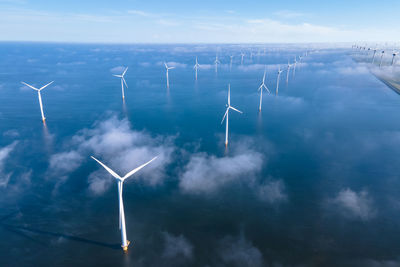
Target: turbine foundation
<point>125,248</point>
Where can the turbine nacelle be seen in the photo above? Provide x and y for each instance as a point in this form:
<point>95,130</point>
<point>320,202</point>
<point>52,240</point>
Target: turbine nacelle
<point>168,68</point>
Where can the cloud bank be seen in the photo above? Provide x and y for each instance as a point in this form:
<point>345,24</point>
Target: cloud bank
<point>118,146</point>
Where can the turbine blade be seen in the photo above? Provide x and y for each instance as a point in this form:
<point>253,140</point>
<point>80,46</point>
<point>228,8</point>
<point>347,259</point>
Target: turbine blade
<point>30,86</point>
<point>108,169</point>
<point>137,169</point>
<point>119,76</point>
<point>166,66</point>
<point>235,109</point>
<point>46,85</point>
<point>124,71</point>
<point>223,118</point>
<point>124,82</point>
<point>266,88</point>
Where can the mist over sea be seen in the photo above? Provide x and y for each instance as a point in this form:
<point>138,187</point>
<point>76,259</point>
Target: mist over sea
<point>311,180</point>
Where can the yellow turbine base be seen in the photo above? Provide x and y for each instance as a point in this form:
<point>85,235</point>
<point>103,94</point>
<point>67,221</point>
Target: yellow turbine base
<point>125,248</point>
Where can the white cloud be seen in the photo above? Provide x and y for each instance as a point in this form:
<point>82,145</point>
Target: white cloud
<point>271,191</point>
<point>65,162</point>
<point>140,13</point>
<point>177,247</point>
<point>4,154</point>
<point>114,142</point>
<point>271,68</point>
<point>11,133</point>
<point>172,64</point>
<point>206,173</point>
<point>353,70</point>
<point>289,14</point>
<point>168,22</point>
<point>118,69</point>
<point>237,251</point>
<point>354,205</point>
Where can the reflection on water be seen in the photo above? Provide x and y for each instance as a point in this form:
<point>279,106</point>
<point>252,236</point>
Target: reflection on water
<point>312,180</point>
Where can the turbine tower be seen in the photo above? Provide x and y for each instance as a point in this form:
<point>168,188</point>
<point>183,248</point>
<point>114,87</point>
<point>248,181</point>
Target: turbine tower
<point>277,80</point>
<point>230,65</point>
<point>39,96</point>
<point>120,182</point>
<point>168,68</point>
<point>294,66</point>
<point>242,54</point>
<point>262,86</point>
<point>373,56</point>
<point>123,82</point>
<point>288,71</point>
<point>228,107</point>
<point>394,54</point>
<point>216,62</point>
<point>380,64</point>
<point>196,66</point>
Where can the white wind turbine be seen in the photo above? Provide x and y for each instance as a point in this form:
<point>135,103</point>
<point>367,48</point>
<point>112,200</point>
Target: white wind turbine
<point>120,180</point>
<point>216,62</point>
<point>394,54</point>
<point>123,82</point>
<point>230,65</point>
<point>373,56</point>
<point>262,86</point>
<point>383,52</point>
<point>168,68</point>
<point>196,66</point>
<point>277,80</point>
<point>288,71</point>
<point>294,66</point>
<point>242,54</point>
<point>39,96</point>
<point>228,107</point>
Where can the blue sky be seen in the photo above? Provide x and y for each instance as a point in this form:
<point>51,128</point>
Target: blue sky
<point>204,21</point>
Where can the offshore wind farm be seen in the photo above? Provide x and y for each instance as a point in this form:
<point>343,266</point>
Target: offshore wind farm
<point>279,147</point>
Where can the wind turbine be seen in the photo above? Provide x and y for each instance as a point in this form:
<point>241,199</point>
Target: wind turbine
<point>168,68</point>
<point>294,66</point>
<point>262,86</point>
<point>277,80</point>
<point>373,56</point>
<point>242,54</point>
<point>39,96</point>
<point>383,52</point>
<point>120,180</point>
<point>287,73</point>
<point>230,65</point>
<point>394,54</point>
<point>216,62</point>
<point>196,66</point>
<point>228,107</point>
<point>122,82</point>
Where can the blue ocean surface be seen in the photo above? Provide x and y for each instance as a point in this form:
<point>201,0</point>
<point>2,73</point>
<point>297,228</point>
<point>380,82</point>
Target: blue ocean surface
<point>311,180</point>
